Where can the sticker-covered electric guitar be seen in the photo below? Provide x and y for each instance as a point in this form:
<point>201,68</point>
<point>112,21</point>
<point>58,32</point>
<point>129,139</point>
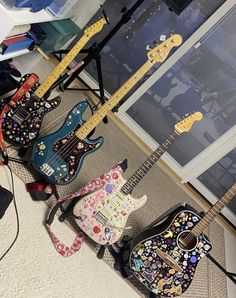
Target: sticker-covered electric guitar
<point>102,215</point>
<point>22,123</point>
<point>164,259</point>
<point>59,156</point>
<point>27,83</point>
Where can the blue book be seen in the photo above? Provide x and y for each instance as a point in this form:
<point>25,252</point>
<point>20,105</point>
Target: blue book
<point>26,43</point>
<point>60,7</point>
<point>35,5</point>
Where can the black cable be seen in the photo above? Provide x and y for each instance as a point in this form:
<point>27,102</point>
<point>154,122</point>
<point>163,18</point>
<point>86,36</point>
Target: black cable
<point>230,275</point>
<point>17,215</point>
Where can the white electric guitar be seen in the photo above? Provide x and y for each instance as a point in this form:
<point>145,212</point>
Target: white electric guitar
<point>103,214</point>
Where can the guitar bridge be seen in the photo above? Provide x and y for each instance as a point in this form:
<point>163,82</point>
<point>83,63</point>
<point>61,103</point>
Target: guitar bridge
<point>47,170</point>
<point>20,115</point>
<point>169,260</point>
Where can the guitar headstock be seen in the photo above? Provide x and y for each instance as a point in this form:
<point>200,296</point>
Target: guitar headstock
<point>160,52</point>
<point>96,27</point>
<point>186,124</point>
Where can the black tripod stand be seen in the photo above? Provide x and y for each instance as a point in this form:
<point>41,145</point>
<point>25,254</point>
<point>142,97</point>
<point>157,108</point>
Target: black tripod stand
<point>93,53</point>
<point>230,275</point>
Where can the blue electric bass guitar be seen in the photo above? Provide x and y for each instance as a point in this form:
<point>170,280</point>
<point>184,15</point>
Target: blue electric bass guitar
<point>59,156</point>
<point>164,258</point>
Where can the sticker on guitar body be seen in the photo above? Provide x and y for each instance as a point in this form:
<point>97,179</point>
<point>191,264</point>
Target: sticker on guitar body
<point>60,155</point>
<point>103,214</point>
<point>162,265</point>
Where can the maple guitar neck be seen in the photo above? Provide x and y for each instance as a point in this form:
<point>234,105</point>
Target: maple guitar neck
<point>61,67</point>
<point>113,101</point>
<point>158,54</point>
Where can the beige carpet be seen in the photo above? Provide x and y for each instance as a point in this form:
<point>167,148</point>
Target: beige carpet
<point>162,193</point>
<point>32,269</point>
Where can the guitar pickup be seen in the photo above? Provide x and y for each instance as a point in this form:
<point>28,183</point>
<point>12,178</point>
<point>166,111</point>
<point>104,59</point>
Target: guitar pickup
<point>20,115</point>
<point>169,260</point>
<point>47,170</point>
<point>102,218</point>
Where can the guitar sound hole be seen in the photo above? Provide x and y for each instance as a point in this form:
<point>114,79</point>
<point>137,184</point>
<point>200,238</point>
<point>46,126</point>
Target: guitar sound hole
<point>187,241</point>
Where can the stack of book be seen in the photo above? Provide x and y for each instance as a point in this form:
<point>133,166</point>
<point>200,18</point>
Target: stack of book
<point>22,41</point>
<point>16,43</point>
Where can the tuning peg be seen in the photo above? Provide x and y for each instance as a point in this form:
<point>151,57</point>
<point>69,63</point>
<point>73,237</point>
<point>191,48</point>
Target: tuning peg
<point>124,9</point>
<point>162,37</point>
<point>149,47</point>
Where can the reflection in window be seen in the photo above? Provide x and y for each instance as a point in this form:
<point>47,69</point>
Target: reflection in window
<point>127,49</point>
<point>204,80</point>
<point>220,177</point>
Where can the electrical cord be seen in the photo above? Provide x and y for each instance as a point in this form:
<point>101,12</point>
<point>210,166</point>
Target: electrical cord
<point>17,215</point>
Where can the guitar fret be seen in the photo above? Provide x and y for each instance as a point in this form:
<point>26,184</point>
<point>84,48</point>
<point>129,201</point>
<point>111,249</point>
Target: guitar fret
<point>126,188</point>
<point>197,229</point>
<point>113,101</point>
<point>134,179</point>
<point>220,205</point>
<point>172,137</point>
<point>146,168</point>
<point>223,202</point>
<point>131,183</point>
<point>230,193</point>
<point>157,155</point>
<point>160,152</point>
<point>137,177</point>
<point>216,208</point>
<point>151,160</point>
<point>147,164</point>
<point>48,82</point>
<point>141,173</point>
<point>44,87</point>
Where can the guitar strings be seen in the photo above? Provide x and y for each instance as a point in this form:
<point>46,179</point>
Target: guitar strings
<point>65,150</point>
<point>71,147</point>
<point>200,226</point>
<point>189,238</point>
<point>65,62</point>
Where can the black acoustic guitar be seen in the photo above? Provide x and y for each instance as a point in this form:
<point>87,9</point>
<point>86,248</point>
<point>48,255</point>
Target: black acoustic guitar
<point>164,258</point>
